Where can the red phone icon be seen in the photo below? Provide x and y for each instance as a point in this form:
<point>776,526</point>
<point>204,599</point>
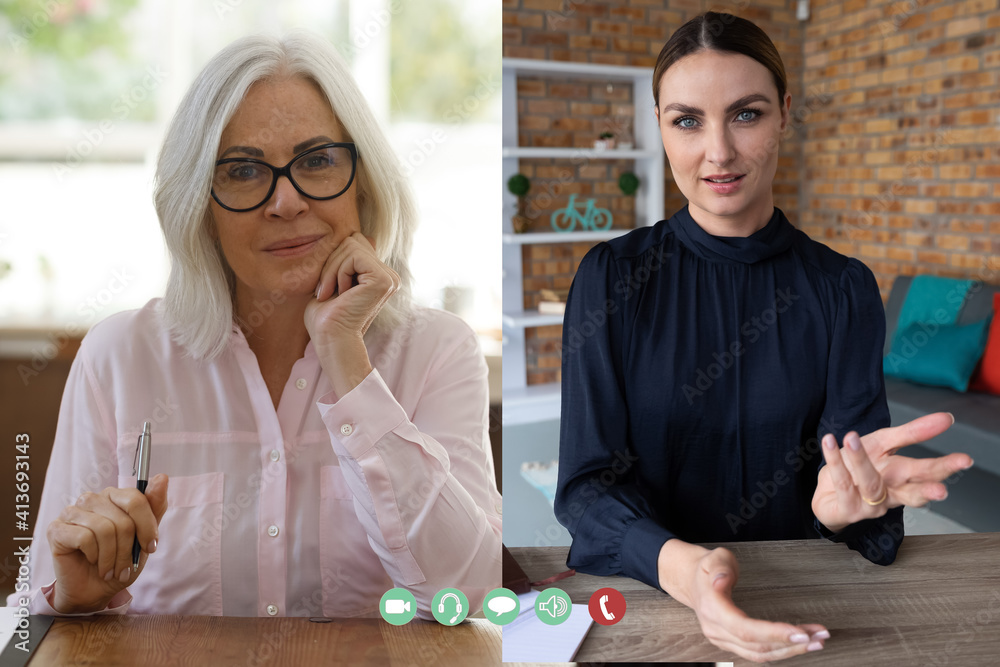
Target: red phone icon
<point>607,606</point>
<point>604,608</point>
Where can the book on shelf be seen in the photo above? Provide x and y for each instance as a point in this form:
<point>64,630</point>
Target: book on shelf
<point>553,301</point>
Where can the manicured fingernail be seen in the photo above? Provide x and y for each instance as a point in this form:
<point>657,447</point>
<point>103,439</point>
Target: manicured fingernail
<point>829,443</point>
<point>815,646</point>
<point>152,546</point>
<point>799,638</point>
<point>822,634</point>
<point>125,575</point>
<point>854,442</point>
<point>109,575</point>
<point>952,417</point>
<point>318,287</point>
<point>718,576</point>
<point>971,463</point>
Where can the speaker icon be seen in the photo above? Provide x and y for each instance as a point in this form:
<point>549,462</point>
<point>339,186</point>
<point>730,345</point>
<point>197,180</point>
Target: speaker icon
<point>555,606</point>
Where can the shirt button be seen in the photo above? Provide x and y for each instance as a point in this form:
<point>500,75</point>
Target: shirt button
<point>272,531</point>
<point>301,383</point>
<point>272,609</point>
<point>499,508</point>
<point>275,455</point>
<point>347,429</point>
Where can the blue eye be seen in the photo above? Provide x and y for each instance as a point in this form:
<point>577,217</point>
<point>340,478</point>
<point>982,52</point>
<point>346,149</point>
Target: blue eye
<point>679,122</point>
<point>748,111</point>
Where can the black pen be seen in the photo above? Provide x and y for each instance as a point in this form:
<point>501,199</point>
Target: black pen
<point>142,479</point>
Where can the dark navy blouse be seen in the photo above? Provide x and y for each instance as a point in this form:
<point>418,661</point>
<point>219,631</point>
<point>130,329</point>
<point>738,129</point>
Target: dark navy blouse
<point>699,374</point>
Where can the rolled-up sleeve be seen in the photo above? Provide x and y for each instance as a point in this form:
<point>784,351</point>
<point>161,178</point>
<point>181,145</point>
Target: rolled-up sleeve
<point>423,483</point>
<point>855,399</point>
<point>613,526</point>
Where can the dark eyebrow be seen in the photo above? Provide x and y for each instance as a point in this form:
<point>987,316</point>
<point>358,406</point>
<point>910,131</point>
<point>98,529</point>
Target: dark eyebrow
<point>321,139</point>
<point>249,150</point>
<point>742,102</point>
<point>296,149</point>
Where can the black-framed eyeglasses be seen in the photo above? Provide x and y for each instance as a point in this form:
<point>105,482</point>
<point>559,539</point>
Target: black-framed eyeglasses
<point>322,172</point>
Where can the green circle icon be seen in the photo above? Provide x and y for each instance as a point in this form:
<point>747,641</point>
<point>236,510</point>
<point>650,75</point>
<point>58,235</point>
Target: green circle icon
<point>501,606</point>
<point>553,606</point>
<point>398,606</point>
<point>450,606</point>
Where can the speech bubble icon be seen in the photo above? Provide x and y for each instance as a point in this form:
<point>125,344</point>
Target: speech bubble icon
<point>500,605</point>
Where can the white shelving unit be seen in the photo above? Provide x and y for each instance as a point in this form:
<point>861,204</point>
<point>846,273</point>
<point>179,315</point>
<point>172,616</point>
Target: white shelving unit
<point>523,403</point>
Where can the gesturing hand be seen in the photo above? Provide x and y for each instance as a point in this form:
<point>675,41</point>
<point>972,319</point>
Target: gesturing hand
<point>730,628</point>
<point>867,478</point>
<point>353,286</point>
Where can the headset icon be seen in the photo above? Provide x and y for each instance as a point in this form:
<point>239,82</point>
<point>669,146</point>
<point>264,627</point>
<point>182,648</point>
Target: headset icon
<point>458,605</point>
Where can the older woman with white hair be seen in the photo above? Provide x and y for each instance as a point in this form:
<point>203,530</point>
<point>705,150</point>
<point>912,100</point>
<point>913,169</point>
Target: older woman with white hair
<point>318,439</point>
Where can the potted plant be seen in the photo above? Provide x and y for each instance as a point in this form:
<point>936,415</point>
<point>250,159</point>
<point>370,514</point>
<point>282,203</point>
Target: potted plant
<point>628,183</point>
<point>518,185</point>
<point>605,141</point>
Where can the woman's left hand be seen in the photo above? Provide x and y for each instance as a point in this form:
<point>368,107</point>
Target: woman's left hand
<point>868,470</point>
<point>353,286</point>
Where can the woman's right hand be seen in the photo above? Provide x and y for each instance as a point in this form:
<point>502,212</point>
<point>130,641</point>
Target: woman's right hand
<point>729,627</point>
<point>91,544</point>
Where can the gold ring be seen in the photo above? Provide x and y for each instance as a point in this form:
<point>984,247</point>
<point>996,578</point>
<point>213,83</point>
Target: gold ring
<point>885,494</point>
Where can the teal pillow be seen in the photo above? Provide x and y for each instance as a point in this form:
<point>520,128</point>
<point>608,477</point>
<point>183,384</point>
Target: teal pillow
<point>931,299</point>
<point>942,355</point>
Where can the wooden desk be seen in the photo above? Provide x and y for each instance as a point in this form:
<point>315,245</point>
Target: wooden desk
<point>221,641</point>
<point>938,604</point>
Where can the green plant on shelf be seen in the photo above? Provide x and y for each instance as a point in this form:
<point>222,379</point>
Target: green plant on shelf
<point>628,183</point>
<point>518,185</point>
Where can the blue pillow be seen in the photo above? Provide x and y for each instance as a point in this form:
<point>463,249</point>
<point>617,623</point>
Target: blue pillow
<point>931,299</point>
<point>942,355</point>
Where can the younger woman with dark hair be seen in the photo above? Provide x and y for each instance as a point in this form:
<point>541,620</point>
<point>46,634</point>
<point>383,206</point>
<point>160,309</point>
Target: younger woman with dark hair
<point>732,346</point>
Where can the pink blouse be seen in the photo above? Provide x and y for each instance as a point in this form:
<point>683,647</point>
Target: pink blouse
<point>315,509</point>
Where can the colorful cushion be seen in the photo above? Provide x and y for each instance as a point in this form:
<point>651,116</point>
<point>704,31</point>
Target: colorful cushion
<point>931,299</point>
<point>941,355</point>
<point>987,376</point>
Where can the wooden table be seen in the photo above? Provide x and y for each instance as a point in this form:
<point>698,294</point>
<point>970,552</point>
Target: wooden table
<point>938,604</point>
<point>221,641</point>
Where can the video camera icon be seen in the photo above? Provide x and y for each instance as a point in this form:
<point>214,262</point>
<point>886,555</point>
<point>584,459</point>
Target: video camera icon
<point>398,606</point>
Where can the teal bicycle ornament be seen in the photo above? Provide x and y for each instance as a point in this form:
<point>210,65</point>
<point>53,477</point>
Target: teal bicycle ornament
<point>566,219</point>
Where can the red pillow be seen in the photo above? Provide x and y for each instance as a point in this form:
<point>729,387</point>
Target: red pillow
<point>986,378</point>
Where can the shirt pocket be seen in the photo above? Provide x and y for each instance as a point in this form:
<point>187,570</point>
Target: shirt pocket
<point>352,576</point>
<point>184,575</point>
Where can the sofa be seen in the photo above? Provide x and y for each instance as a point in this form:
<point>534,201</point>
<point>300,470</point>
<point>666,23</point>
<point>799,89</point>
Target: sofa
<point>976,431</point>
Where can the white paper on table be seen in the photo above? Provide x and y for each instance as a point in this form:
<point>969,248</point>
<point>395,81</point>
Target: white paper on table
<point>8,624</point>
<point>527,639</point>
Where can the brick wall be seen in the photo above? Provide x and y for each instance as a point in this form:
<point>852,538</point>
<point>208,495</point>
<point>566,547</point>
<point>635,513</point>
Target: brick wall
<point>902,148</point>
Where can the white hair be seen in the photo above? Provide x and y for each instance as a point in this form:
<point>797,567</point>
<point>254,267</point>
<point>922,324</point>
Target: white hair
<point>198,303</point>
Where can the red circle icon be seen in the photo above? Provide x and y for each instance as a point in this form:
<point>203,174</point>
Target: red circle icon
<point>607,606</point>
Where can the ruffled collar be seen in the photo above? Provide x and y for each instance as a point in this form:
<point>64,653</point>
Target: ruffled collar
<point>774,238</point>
